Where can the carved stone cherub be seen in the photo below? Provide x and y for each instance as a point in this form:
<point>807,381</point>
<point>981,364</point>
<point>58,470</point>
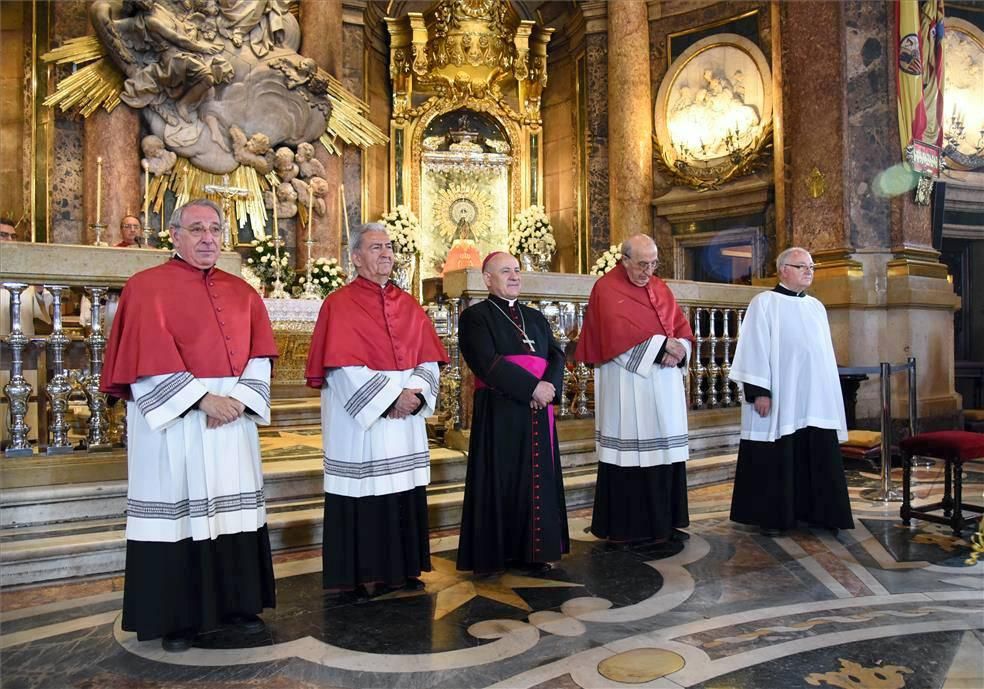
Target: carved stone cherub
<point>157,158</point>
<point>307,163</point>
<point>254,151</point>
<point>316,187</point>
<point>284,165</point>
<point>286,200</point>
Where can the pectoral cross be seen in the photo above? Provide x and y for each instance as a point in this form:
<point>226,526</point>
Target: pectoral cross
<point>529,343</point>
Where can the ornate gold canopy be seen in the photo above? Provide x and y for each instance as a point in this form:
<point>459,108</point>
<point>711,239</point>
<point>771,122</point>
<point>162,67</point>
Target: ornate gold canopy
<point>475,58</point>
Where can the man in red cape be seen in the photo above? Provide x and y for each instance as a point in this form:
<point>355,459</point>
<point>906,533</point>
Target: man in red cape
<point>639,341</point>
<point>191,351</point>
<point>374,355</point>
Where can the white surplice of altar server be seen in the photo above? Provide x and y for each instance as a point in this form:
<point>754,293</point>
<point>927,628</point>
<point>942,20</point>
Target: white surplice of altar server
<point>191,350</point>
<point>374,355</point>
<point>639,341</point>
<point>792,421</point>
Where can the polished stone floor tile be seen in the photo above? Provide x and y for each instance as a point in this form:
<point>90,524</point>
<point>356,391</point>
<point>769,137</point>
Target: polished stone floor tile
<point>878,606</point>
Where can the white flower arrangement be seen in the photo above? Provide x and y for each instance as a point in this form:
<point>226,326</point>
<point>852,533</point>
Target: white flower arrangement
<point>262,260</point>
<point>532,234</point>
<point>607,260</point>
<point>403,227</point>
<point>164,240</point>
<point>326,275</point>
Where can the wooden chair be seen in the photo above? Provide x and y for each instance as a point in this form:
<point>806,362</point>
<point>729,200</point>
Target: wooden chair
<point>955,448</point>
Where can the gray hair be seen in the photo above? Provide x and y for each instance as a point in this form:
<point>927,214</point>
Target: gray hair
<point>356,233</point>
<point>175,222</point>
<point>783,258</point>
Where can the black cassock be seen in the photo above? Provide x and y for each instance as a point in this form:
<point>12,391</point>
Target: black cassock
<point>514,510</point>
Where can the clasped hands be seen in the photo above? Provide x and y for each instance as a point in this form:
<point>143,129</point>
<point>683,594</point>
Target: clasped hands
<point>406,404</point>
<point>543,395</point>
<point>220,410</point>
<point>674,353</point>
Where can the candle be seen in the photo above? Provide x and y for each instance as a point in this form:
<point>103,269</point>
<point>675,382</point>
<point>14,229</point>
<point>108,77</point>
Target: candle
<point>276,229</point>
<point>146,197</point>
<point>310,212</point>
<point>99,186</point>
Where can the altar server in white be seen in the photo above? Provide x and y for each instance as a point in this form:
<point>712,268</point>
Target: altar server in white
<point>640,342</point>
<point>374,355</point>
<point>789,461</point>
<point>191,350</point>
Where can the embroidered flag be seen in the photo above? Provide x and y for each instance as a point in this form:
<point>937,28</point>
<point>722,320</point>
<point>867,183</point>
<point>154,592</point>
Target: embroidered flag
<point>919,54</point>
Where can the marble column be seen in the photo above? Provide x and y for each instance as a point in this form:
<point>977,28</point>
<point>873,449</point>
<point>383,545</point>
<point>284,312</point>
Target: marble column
<point>321,40</point>
<point>886,292</point>
<point>630,125</point>
<point>114,137</point>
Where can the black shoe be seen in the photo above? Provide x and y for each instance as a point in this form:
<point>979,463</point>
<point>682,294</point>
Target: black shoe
<point>771,533</point>
<point>250,624</point>
<point>413,584</point>
<point>536,568</point>
<point>177,642</point>
<point>679,535</point>
<point>356,595</point>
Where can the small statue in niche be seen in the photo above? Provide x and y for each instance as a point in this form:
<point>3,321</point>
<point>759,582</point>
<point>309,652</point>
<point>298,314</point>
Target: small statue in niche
<point>255,151</point>
<point>157,159</point>
<point>308,165</point>
<point>286,200</point>
<point>284,165</point>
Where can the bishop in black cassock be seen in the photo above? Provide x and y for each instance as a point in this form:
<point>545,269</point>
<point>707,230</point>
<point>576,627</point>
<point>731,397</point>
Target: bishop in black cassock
<point>514,512</point>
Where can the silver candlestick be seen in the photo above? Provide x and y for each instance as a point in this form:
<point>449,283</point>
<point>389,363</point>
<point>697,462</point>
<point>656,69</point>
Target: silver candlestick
<point>560,333</point>
<point>581,371</point>
<point>98,228</point>
<point>59,387</point>
<point>17,390</point>
<point>452,376</point>
<point>98,439</point>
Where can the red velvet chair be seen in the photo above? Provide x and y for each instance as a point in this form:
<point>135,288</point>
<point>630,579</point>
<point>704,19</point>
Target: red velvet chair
<point>954,448</point>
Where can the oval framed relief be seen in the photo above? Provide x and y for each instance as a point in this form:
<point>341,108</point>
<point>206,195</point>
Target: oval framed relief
<point>963,92</point>
<point>713,110</point>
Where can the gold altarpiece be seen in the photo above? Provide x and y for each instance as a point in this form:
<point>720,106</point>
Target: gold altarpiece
<point>466,147</point>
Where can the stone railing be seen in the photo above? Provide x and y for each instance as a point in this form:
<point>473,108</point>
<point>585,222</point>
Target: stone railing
<point>714,311</point>
<point>60,372</point>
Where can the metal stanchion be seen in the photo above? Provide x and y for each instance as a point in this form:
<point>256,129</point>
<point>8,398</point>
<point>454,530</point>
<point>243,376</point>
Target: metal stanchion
<point>885,492</point>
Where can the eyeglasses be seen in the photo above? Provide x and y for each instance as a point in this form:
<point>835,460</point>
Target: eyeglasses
<point>803,266</point>
<point>642,265</point>
<point>131,226</point>
<point>197,231</point>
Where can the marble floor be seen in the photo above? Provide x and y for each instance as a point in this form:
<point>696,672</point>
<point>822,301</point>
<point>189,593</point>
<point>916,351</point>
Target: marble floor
<point>880,606</point>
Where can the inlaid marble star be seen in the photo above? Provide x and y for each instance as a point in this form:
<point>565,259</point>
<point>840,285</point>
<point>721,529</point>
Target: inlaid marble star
<point>452,588</point>
<point>286,439</point>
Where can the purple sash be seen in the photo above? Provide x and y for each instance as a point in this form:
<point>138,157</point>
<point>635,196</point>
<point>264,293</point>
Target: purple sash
<point>535,365</point>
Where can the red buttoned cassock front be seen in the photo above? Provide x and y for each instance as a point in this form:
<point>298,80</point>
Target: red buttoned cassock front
<point>366,324</point>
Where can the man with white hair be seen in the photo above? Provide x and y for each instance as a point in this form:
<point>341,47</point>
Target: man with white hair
<point>374,355</point>
<point>639,341</point>
<point>792,421</point>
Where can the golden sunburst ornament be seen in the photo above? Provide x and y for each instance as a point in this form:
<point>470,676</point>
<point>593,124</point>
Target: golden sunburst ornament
<point>459,203</point>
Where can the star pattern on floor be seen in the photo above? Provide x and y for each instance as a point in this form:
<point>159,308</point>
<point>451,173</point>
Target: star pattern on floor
<point>284,440</point>
<point>452,588</point>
